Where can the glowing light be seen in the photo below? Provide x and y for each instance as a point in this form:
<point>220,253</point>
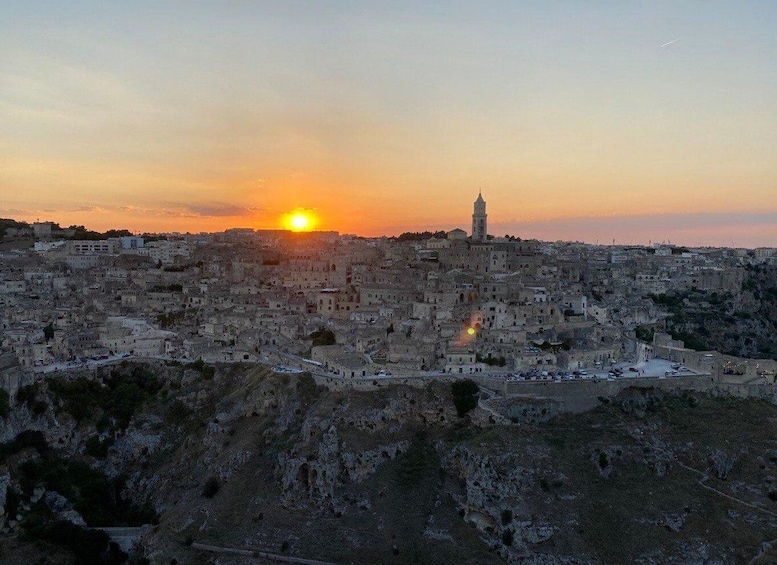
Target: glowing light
<point>471,331</point>
<point>299,220</point>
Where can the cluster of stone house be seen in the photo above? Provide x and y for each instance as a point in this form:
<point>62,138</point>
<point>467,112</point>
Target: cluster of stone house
<point>450,305</point>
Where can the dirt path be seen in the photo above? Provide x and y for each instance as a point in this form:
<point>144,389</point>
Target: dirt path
<point>260,554</point>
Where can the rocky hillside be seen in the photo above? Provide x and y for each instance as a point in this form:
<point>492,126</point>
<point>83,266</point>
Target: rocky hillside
<point>244,459</point>
<point>744,326</point>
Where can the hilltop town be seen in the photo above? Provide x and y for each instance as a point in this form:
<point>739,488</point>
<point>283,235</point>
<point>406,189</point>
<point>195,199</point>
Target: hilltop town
<point>345,307</point>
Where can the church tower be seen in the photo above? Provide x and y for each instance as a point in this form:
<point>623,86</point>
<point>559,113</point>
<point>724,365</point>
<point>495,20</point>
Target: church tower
<point>479,220</point>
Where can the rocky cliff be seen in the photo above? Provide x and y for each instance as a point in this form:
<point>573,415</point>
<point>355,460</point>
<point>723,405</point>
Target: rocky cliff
<point>247,460</point>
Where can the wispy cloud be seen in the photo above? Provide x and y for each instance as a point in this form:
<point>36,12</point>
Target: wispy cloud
<point>174,210</point>
<point>221,210</point>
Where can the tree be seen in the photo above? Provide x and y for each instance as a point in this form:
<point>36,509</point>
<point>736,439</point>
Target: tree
<point>5,406</point>
<point>211,487</point>
<point>48,332</point>
<point>323,336</point>
<point>464,396</point>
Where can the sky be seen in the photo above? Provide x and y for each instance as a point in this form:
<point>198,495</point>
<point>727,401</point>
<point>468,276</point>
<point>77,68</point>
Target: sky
<point>598,121</point>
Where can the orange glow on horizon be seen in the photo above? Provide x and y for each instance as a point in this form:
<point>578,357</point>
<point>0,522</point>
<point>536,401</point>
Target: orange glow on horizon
<point>299,220</point>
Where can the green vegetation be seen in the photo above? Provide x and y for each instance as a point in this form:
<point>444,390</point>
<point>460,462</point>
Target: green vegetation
<point>27,439</point>
<point>207,371</point>
<point>323,336</point>
<point>690,340</point>
<point>412,466</point>
<point>97,448</point>
<point>48,332</point>
<point>464,396</point>
<point>6,223</point>
<point>180,268</point>
<point>178,411</point>
<point>492,361</point>
<point>507,537</point>
<point>307,389</point>
<point>421,236</point>
<point>89,546</point>
<point>94,496</point>
<point>555,347</point>
<point>175,287</point>
<point>82,398</point>
<point>644,333</point>
<point>170,319</point>
<point>211,487</point>
<point>12,501</point>
<point>5,406</point>
<point>690,313</point>
<point>81,233</point>
<point>111,403</point>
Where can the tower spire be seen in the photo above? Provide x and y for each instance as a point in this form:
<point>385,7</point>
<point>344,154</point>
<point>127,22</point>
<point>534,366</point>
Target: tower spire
<point>479,219</point>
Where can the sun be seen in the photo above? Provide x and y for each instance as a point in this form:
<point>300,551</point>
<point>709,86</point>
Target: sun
<point>299,220</point>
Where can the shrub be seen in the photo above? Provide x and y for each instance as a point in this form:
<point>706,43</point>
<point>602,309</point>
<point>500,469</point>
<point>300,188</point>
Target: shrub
<point>91,547</point>
<point>211,487</point>
<point>323,336</point>
<point>307,388</point>
<point>82,398</point>
<point>178,411</point>
<point>507,537</point>
<point>93,495</point>
<point>207,371</point>
<point>26,395</point>
<point>96,448</point>
<point>413,464</point>
<point>12,501</point>
<point>5,407</point>
<point>23,440</point>
<point>464,396</point>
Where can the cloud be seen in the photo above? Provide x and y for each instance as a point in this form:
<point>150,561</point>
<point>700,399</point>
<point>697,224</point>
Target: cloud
<point>167,210</point>
<point>179,210</point>
<point>221,210</point>
<point>18,212</point>
<point>92,209</point>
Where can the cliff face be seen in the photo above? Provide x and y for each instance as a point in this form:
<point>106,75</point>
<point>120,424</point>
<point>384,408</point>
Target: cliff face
<point>741,324</point>
<point>253,460</point>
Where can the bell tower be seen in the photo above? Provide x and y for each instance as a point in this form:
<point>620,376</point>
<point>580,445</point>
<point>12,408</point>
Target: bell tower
<point>479,220</point>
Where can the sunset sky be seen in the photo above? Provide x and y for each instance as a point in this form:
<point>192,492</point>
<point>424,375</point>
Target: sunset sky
<point>591,121</point>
